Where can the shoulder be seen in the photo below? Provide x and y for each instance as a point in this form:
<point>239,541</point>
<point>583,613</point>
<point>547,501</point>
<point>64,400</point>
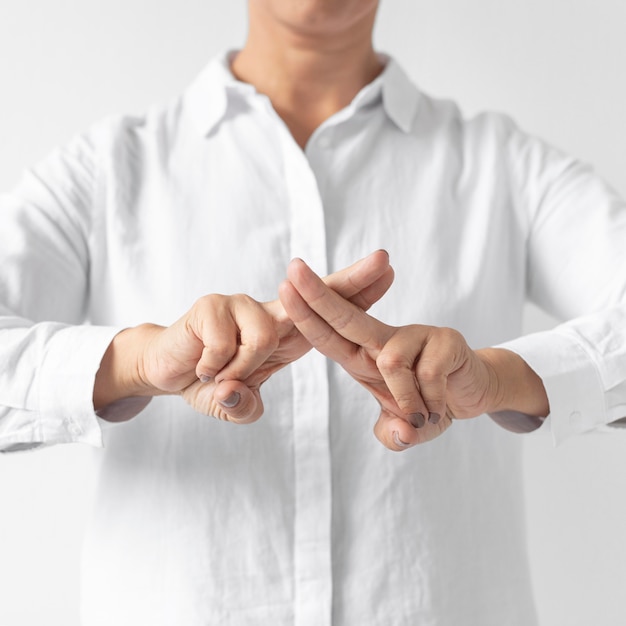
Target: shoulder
<point>117,133</point>
<point>445,116</point>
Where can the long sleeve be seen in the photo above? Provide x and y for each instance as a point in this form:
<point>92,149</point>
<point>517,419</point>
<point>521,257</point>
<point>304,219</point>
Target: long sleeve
<point>48,356</point>
<point>576,271</point>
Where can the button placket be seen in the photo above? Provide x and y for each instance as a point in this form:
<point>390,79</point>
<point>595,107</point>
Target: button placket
<point>313,493</point>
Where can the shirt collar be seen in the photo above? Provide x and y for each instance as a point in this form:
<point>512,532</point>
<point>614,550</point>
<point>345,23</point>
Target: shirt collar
<point>207,97</point>
<point>400,96</point>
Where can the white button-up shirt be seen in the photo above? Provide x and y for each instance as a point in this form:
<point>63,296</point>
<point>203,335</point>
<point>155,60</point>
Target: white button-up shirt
<point>303,518</point>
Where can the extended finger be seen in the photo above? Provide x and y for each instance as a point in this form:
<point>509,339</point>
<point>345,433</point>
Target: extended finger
<point>362,276</point>
<point>347,319</point>
<point>374,292</point>
<point>314,329</point>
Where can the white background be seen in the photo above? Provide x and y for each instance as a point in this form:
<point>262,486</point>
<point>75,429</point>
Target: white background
<point>557,66</point>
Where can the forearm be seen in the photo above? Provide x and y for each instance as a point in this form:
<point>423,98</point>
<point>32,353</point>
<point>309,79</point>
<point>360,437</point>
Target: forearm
<point>582,364</point>
<point>46,387</point>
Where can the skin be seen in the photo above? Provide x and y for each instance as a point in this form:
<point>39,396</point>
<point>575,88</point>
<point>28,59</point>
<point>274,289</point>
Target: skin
<point>311,58</point>
<point>223,349</point>
<point>422,376</point>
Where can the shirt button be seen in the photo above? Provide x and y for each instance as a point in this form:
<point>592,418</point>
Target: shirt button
<point>575,420</point>
<point>73,428</point>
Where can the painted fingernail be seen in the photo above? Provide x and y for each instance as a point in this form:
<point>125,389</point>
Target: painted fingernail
<point>434,418</point>
<point>417,419</point>
<point>205,379</point>
<point>398,441</point>
<point>231,401</point>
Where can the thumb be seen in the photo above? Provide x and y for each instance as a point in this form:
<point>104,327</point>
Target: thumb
<point>241,404</point>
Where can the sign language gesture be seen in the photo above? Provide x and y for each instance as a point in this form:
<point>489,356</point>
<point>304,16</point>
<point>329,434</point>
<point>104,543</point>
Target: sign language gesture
<point>422,376</point>
<point>223,349</point>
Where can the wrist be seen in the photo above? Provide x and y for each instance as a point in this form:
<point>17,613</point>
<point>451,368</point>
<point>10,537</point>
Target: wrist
<point>515,386</point>
<point>122,374</point>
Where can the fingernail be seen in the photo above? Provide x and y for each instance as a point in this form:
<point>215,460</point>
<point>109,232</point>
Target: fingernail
<point>434,418</point>
<point>417,419</point>
<point>398,441</point>
<point>205,379</point>
<point>231,401</point>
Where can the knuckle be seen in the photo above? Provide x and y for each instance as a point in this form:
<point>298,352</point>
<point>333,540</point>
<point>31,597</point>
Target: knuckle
<point>390,361</point>
<point>244,299</point>
<point>262,342</point>
<point>320,338</point>
<point>450,336</point>
<point>204,308</point>
<point>209,301</point>
<point>430,372</point>
<point>220,350</point>
<point>341,319</point>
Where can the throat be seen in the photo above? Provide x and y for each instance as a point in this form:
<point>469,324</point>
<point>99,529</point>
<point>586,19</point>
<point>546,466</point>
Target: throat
<point>302,121</point>
<point>307,87</point>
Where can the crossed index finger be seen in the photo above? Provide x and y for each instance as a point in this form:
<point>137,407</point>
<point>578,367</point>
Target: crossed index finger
<point>332,312</point>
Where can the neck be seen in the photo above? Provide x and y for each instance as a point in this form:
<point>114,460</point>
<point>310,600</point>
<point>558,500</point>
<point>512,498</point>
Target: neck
<point>308,76</point>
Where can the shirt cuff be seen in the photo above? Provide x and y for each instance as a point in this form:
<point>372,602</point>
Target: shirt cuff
<point>66,382</point>
<point>571,380</point>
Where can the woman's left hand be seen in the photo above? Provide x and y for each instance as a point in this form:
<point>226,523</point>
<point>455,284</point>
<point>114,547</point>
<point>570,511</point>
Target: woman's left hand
<point>422,376</point>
